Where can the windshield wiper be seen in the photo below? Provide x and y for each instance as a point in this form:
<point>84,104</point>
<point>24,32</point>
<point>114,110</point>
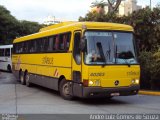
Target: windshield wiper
<point>127,63</point>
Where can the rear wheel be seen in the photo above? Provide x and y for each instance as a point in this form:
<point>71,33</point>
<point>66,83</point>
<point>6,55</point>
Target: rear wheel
<point>64,90</point>
<point>26,79</point>
<point>110,97</point>
<point>21,77</point>
<point>9,68</point>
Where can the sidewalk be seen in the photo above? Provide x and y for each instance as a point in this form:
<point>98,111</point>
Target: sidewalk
<point>149,92</point>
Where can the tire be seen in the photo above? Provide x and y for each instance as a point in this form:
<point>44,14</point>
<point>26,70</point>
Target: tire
<point>21,78</point>
<point>9,68</point>
<point>26,79</point>
<point>64,90</point>
<point>110,97</point>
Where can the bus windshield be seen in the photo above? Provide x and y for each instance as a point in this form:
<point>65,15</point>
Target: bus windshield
<point>105,47</point>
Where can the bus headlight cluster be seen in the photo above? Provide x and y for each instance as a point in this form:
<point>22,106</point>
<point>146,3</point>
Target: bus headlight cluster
<point>135,81</point>
<point>94,83</point>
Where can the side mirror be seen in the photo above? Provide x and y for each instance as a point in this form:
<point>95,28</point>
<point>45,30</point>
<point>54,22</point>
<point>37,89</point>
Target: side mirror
<point>83,43</point>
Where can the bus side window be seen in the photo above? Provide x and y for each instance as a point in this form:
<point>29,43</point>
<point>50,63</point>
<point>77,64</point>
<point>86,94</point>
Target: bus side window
<point>15,47</point>
<point>46,44</point>
<point>30,46</point>
<point>39,45</point>
<point>61,44</point>
<point>26,47</point>
<point>76,50</point>
<point>7,52</point>
<point>20,48</point>
<point>33,45</point>
<point>50,42</point>
<point>56,45</point>
<point>1,52</point>
<point>68,40</point>
<point>23,47</point>
<point>65,42</point>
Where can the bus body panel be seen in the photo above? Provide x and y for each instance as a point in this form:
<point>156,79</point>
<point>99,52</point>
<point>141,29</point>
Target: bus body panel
<point>44,64</point>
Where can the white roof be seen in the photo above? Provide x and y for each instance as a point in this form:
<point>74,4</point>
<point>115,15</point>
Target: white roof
<point>6,46</point>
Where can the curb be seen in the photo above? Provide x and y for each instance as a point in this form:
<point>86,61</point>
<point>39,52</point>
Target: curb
<point>155,93</point>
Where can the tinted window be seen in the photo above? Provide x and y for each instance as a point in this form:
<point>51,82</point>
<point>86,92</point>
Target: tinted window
<point>56,43</point>
<point>51,41</point>
<point>1,52</point>
<point>76,50</point>
<point>7,52</point>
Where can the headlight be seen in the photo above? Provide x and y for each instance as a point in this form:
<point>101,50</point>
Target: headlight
<point>94,83</point>
<point>137,81</point>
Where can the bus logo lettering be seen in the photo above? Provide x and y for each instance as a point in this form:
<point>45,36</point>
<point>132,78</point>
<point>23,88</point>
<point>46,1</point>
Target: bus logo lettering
<point>47,60</point>
<point>132,73</point>
<point>97,74</point>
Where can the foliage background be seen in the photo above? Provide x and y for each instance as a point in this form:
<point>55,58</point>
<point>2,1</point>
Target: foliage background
<point>10,27</point>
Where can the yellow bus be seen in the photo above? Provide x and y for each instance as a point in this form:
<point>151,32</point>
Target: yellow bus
<point>79,59</point>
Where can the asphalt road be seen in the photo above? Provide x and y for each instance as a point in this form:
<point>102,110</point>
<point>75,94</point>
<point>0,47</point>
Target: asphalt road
<point>19,99</point>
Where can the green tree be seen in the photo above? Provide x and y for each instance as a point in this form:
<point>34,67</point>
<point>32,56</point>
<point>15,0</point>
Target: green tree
<point>10,27</point>
<point>8,24</point>
<point>27,27</point>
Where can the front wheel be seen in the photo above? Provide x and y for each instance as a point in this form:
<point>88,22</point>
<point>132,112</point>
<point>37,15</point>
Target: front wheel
<point>64,90</point>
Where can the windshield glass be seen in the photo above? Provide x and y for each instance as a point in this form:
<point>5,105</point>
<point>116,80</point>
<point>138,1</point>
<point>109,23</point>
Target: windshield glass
<point>109,48</point>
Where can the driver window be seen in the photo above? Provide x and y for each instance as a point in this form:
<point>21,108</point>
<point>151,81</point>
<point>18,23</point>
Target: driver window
<point>76,50</point>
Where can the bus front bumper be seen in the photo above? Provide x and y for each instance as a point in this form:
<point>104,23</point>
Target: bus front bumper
<point>108,92</point>
<point>93,92</point>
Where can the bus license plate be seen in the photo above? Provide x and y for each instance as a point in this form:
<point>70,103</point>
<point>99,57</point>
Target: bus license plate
<point>115,94</point>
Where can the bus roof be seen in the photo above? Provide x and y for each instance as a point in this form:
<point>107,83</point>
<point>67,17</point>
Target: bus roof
<point>69,26</point>
<point>6,46</point>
